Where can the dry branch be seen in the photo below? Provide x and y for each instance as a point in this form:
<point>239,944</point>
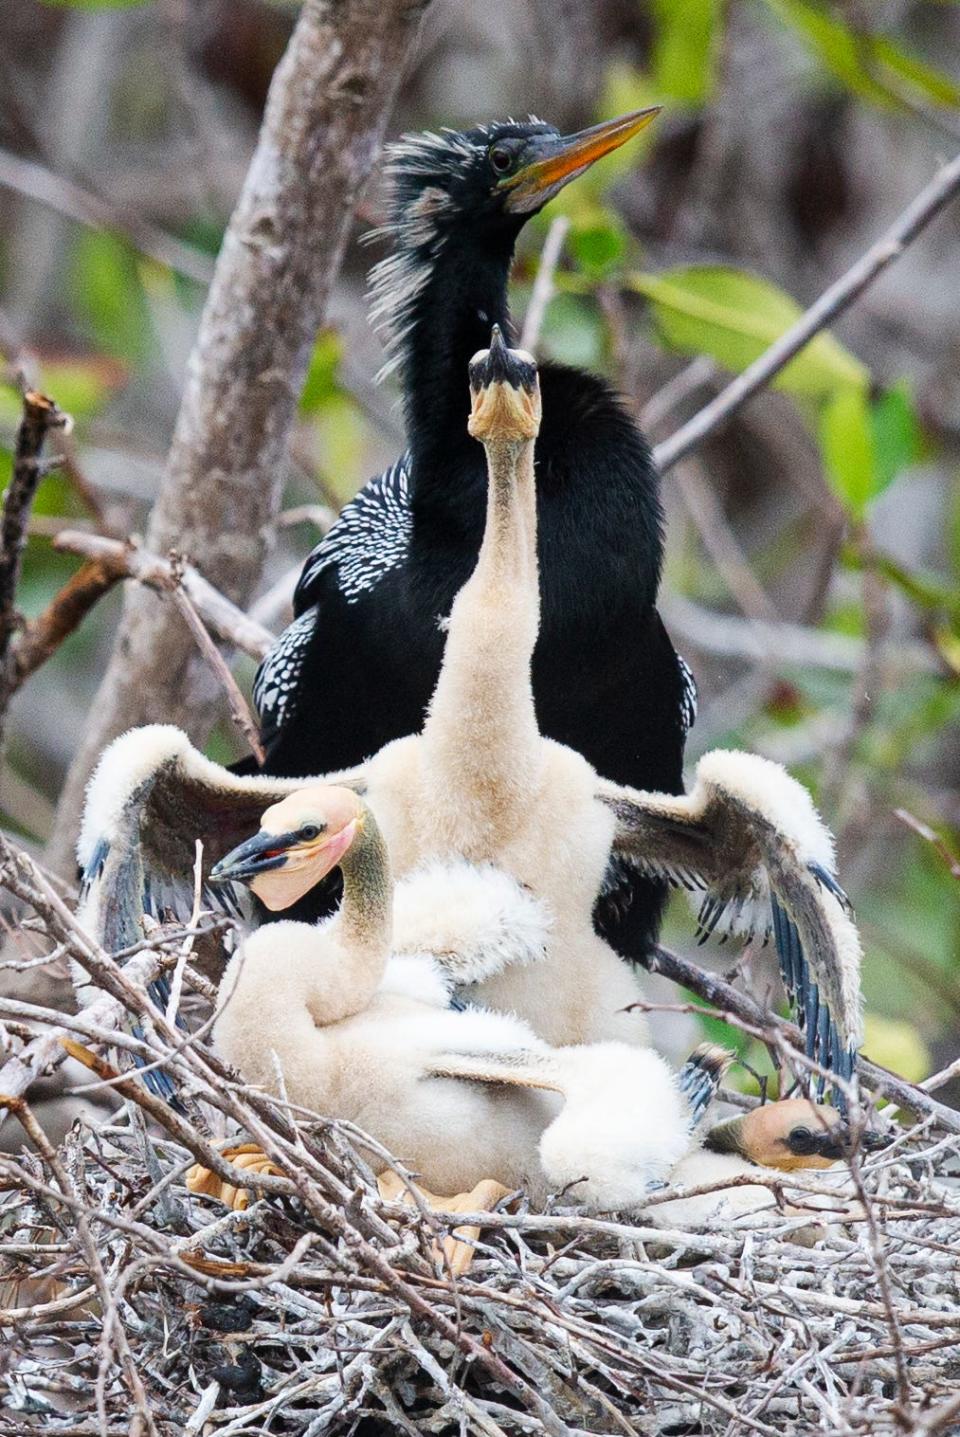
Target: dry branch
<point>128,560</point>
<point>34,181</point>
<point>325,116</point>
<point>724,996</point>
<point>831,304</point>
<point>40,415</point>
<point>41,637</point>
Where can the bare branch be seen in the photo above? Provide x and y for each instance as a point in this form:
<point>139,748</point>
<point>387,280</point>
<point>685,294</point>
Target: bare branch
<point>41,637</point>
<point>720,994</point>
<point>128,560</point>
<point>40,415</point>
<point>831,304</point>
<point>326,113</point>
<point>36,182</point>
<point>543,285</point>
<point>781,644</point>
<point>239,708</point>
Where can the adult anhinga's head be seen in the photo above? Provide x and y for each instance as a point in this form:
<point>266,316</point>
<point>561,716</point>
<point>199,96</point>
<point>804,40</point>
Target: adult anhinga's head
<point>504,393</point>
<point>468,194</point>
<point>300,840</point>
<point>792,1134</point>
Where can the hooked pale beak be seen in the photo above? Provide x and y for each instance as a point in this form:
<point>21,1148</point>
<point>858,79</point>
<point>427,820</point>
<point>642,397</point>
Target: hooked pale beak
<point>555,162</point>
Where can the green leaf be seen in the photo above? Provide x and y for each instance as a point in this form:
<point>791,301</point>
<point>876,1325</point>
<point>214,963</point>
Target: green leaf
<point>872,66</point>
<point>684,49</point>
<point>598,246</point>
<point>931,84</point>
<point>107,290</point>
<point>896,1045</point>
<point>573,332</point>
<point>80,386</point>
<point>896,435</point>
<point>321,381</point>
<point>846,444</point>
<point>734,316</point>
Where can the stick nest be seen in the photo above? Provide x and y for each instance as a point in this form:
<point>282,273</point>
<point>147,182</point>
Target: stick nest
<point>133,1306</point>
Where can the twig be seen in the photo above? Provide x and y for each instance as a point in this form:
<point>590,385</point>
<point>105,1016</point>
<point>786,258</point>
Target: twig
<point>715,991</point>
<point>827,308</point>
<point>783,644</point>
<point>129,560</point>
<point>40,638</point>
<point>929,835</point>
<point>543,285</point>
<point>239,708</point>
<point>40,415</point>
<point>34,181</point>
<point>722,544</point>
<point>670,396</point>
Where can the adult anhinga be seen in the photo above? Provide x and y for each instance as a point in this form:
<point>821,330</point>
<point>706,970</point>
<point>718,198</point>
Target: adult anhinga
<point>359,663</point>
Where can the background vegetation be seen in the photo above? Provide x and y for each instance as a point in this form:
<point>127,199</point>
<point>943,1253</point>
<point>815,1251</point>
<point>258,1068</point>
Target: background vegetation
<point>813,577</point>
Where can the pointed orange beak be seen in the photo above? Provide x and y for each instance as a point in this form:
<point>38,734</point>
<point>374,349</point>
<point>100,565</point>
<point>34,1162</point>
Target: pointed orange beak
<point>555,162</point>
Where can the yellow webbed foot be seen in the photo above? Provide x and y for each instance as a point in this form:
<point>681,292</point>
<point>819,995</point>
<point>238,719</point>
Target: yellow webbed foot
<point>247,1156</point>
<point>455,1252</point>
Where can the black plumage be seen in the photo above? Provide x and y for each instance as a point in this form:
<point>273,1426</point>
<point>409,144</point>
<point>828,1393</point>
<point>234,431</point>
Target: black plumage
<point>358,665</point>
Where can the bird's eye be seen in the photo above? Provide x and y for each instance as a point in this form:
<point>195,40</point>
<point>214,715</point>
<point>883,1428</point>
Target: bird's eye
<point>501,159</point>
<point>801,1141</point>
<point>309,832</point>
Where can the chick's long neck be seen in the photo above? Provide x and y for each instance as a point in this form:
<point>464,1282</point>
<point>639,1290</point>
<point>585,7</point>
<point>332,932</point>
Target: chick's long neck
<point>363,925</point>
<point>482,744</point>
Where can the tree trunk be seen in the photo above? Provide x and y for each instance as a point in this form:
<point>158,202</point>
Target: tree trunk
<point>325,117</point>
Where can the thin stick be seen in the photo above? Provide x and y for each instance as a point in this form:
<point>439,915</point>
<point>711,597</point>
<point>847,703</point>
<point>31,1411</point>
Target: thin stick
<point>827,308</point>
<point>239,708</point>
<point>41,637</point>
<point>129,560</point>
<point>40,415</point>
<point>35,182</point>
<point>720,994</point>
<point>543,285</point>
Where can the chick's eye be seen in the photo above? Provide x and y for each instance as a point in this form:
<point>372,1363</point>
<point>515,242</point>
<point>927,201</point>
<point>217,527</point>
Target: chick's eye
<point>310,831</point>
<point>801,1140</point>
<point>501,159</point>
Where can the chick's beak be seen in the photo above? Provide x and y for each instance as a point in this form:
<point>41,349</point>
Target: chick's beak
<point>554,162</point>
<point>259,854</point>
<point>838,1142</point>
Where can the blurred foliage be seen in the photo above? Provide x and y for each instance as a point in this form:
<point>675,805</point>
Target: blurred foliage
<point>684,49</point>
<point>868,63</point>
<point>734,317</point>
<point>114,344</point>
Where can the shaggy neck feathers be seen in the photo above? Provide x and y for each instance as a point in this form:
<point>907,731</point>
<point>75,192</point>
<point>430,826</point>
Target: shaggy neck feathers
<point>434,297</point>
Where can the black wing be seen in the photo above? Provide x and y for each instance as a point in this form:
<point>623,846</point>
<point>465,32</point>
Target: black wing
<point>690,695</point>
<point>370,538</point>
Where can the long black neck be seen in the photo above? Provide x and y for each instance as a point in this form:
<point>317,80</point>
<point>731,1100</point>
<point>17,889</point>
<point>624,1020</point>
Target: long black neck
<point>465,294</point>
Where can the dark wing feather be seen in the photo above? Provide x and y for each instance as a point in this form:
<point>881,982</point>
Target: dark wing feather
<point>277,683</point>
<point>700,1077</point>
<point>722,838</point>
<point>371,537</point>
<point>152,798</point>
